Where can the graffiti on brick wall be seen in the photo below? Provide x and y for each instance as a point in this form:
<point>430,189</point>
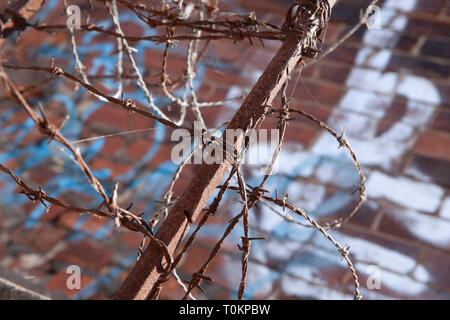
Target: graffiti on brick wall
<point>372,89</point>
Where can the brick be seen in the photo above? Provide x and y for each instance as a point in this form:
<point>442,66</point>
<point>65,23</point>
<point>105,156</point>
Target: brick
<point>198,255</point>
<point>417,227</point>
<point>333,32</point>
<point>373,153</point>
<point>369,103</point>
<point>172,290</point>
<point>308,196</point>
<point>93,223</point>
<point>256,58</point>
<point>267,252</point>
<point>206,91</point>
<point>337,74</point>
<point>357,125</point>
<point>373,248</point>
<point>116,168</point>
<point>420,89</point>
<point>406,43</point>
<point>225,51</point>
<point>394,132</point>
<point>429,26</point>
<point>415,114</point>
<point>404,191</point>
<point>32,137</point>
<point>396,253</point>
<point>343,54</point>
<point>112,145</point>
<point>418,66</point>
<point>364,217</point>
<point>347,12</point>
<point>58,282</point>
<point>357,37</point>
<point>52,214</point>
<point>434,268</point>
<point>132,239</point>
<point>320,92</point>
<point>436,48</point>
<point>373,80</point>
<point>442,121</point>
<point>264,6</point>
<point>320,112</point>
<point>175,63</point>
<point>68,220</point>
<point>163,155</point>
<point>115,118</point>
<point>40,238</point>
<point>99,296</point>
<point>14,215</point>
<point>85,253</point>
<point>296,132</point>
<point>77,198</point>
<point>444,93</point>
<point>138,149</point>
<point>435,169</point>
<point>3,225</point>
<point>316,266</point>
<point>292,288</point>
<point>431,6</point>
<point>41,174</point>
<point>445,208</point>
<point>434,144</point>
<point>394,285</point>
<point>223,77</point>
<point>3,250</point>
<point>338,173</point>
<point>219,294</point>
<point>32,264</point>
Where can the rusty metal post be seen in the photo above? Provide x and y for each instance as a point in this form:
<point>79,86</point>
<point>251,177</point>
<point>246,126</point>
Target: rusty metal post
<point>147,270</point>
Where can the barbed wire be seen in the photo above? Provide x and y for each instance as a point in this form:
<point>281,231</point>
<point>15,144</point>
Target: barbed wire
<point>199,23</point>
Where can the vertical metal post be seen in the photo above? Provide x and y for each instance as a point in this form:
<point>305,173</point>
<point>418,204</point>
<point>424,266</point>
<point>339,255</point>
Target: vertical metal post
<point>147,270</point>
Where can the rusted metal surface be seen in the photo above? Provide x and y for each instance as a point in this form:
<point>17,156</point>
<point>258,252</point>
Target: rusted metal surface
<point>148,268</point>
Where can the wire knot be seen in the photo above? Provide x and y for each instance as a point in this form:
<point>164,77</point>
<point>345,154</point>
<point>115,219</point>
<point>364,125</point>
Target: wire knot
<point>256,193</point>
<point>342,139</point>
<point>344,251</point>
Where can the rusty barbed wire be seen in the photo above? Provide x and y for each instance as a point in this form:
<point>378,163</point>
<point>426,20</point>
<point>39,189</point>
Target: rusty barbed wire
<point>198,23</point>
<point>53,133</point>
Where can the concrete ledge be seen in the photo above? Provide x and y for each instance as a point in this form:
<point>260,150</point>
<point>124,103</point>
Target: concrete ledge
<point>12,291</point>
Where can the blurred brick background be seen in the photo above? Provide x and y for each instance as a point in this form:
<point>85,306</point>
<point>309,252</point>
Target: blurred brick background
<point>389,88</point>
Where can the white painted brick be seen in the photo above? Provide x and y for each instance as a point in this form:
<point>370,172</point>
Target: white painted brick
<point>401,284</point>
<point>406,192</point>
<point>307,196</point>
<point>366,102</point>
<point>445,209</point>
<point>370,253</point>
<point>372,80</point>
<point>356,125</point>
<point>425,228</point>
<point>299,288</point>
<point>370,57</point>
<point>419,89</point>
<point>404,5</point>
<point>369,152</point>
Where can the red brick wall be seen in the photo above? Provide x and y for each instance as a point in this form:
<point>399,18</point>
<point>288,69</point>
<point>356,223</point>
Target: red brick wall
<point>389,88</point>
